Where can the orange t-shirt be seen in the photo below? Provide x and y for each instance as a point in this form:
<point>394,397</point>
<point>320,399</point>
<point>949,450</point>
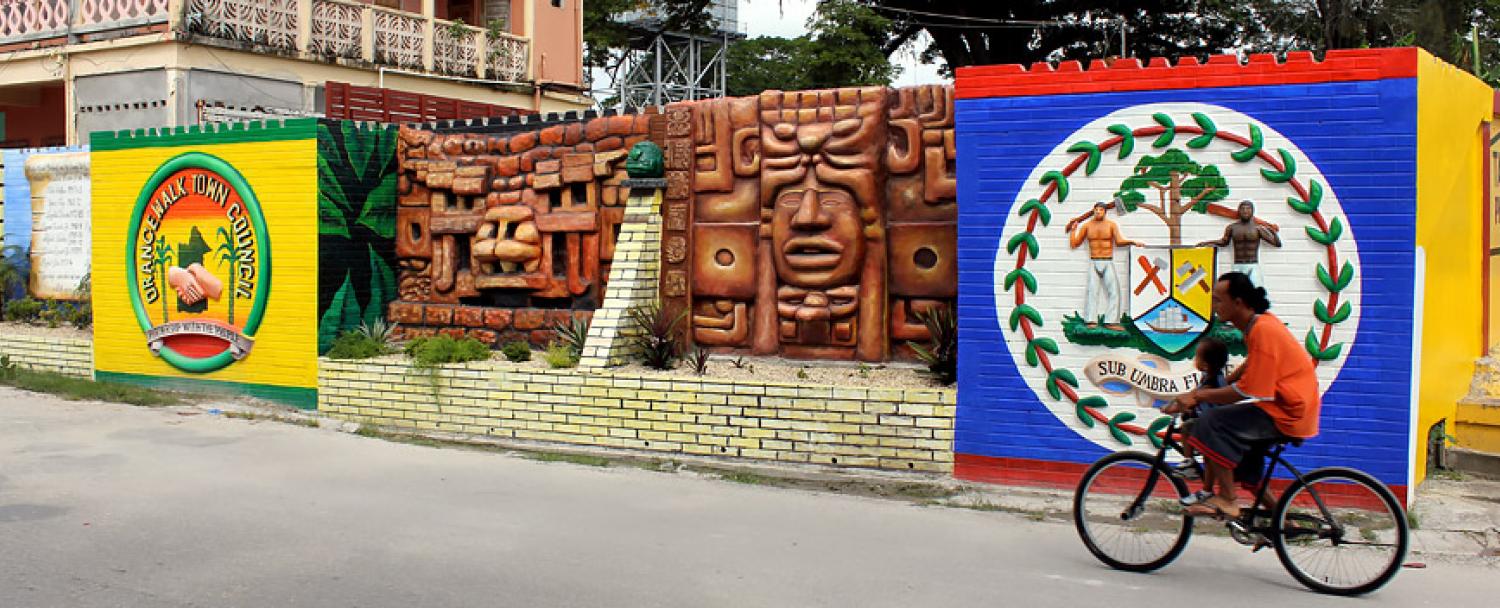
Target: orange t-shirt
<point>1280,373</point>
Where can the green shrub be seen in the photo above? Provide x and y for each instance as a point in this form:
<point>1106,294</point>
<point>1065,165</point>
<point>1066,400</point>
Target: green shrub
<point>24,310</point>
<point>560,355</point>
<point>699,358</point>
<point>356,345</point>
<point>439,350</point>
<point>516,351</point>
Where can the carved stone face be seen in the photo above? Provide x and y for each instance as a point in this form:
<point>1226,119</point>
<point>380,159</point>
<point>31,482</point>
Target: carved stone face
<point>817,236</point>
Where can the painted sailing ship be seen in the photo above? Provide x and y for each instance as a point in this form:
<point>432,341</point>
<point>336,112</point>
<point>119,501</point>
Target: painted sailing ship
<point>1171,320</point>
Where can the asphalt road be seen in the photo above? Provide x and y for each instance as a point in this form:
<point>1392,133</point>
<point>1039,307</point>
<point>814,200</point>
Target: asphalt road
<point>106,505</point>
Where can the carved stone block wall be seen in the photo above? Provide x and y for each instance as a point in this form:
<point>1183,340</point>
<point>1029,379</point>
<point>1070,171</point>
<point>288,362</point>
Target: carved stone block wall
<point>811,224</point>
<point>502,233</point>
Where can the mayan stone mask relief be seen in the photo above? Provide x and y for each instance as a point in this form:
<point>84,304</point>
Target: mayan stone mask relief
<point>818,223</point>
<point>500,235</point>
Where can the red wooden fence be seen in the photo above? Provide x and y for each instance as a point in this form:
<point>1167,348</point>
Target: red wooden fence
<point>346,101</point>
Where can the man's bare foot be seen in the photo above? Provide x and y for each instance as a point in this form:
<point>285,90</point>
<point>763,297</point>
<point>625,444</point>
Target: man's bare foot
<point>211,286</point>
<point>1114,327</point>
<point>187,287</point>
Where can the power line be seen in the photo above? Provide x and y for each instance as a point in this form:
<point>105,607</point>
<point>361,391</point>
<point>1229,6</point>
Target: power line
<point>1024,22</point>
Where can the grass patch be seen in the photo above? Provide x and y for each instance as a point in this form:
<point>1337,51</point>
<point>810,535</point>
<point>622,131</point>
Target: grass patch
<point>748,478</point>
<point>241,415</point>
<point>83,389</point>
<point>583,459</point>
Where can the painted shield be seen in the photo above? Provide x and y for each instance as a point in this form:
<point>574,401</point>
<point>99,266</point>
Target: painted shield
<point>1171,294</point>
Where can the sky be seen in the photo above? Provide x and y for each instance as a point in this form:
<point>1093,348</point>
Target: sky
<point>766,18</point>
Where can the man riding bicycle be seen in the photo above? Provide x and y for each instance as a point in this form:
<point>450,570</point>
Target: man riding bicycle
<point>1277,374</point>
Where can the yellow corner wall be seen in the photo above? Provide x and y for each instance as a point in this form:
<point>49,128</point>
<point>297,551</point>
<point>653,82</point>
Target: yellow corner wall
<point>283,175</point>
<point>1452,107</point>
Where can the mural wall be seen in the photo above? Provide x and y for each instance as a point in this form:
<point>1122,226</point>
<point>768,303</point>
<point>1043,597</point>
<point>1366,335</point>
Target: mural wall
<point>503,231</point>
<point>188,286</point>
<point>47,217</point>
<point>1093,223</point>
<point>811,224</point>
<point>356,226</point>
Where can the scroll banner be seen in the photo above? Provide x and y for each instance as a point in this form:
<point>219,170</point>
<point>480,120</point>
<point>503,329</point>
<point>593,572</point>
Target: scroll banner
<point>239,344</point>
<point>1149,375</point>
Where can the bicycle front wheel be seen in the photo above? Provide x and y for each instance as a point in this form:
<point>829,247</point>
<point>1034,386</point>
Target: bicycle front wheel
<point>1125,525</point>
<point>1350,545</point>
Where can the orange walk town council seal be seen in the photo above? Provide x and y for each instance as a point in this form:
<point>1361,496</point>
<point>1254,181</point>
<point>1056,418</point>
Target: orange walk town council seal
<point>200,271</point>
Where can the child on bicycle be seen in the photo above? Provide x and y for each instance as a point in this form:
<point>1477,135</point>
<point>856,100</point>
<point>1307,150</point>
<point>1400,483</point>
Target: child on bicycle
<point>1210,359</point>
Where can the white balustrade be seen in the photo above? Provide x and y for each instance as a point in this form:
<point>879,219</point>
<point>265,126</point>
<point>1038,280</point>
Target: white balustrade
<point>338,29</point>
<point>455,49</point>
<point>269,22</point>
<point>399,39</point>
<point>99,12</point>
<point>508,58</point>
<point>25,18</point>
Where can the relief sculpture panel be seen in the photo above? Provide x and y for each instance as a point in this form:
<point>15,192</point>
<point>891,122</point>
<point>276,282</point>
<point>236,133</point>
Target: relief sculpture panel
<point>820,223</point>
<point>501,235</point>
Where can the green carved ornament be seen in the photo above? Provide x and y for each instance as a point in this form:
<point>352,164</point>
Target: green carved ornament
<point>644,161</point>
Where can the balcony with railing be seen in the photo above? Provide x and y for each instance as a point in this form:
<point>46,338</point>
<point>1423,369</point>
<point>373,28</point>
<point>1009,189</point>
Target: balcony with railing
<point>23,21</point>
<point>353,33</point>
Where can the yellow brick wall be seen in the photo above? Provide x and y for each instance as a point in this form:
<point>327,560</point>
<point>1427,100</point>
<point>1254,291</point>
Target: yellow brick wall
<point>68,356</point>
<point>632,282</point>
<point>908,430</point>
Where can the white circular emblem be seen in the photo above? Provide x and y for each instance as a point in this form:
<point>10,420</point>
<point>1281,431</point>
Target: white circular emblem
<point>1102,314</point>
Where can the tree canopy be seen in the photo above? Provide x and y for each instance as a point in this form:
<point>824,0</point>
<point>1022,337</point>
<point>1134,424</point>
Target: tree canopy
<point>841,49</point>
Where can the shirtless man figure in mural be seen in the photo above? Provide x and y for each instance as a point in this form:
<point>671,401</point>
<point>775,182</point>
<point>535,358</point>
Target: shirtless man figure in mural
<point>1103,297</point>
<point>1247,236</point>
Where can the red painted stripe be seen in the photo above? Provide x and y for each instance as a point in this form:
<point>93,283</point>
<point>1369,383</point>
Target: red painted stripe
<point>1065,476</point>
<point>1211,454</point>
<point>1069,77</point>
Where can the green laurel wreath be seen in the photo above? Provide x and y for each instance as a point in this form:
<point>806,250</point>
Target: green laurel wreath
<point>1282,169</point>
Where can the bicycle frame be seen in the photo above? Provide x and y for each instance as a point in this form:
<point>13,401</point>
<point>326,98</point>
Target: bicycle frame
<point>1274,457</point>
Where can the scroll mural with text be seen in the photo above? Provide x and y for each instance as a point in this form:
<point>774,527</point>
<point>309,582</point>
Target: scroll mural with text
<point>1113,245</point>
<point>812,224</point>
<point>503,232</point>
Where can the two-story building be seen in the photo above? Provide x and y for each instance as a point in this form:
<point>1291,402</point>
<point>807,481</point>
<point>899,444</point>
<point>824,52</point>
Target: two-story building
<point>72,67</point>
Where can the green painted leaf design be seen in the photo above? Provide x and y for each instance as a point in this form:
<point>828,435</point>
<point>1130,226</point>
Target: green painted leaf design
<point>1285,175</point>
<point>1156,427</point>
<point>1257,141</point>
<point>382,288</point>
<point>1209,131</point>
<point>1114,427</point>
<point>1061,180</point>
<point>1023,238</point>
<point>1047,344</point>
<point>1035,206</point>
<point>1335,230</point>
<point>1087,403</point>
<point>1320,310</point>
<point>1024,275</point>
<point>1167,136</point>
<point>1314,198</point>
<point>1027,312</point>
<point>1090,148</point>
<point>1057,378</point>
<point>1127,139</point>
<point>339,312</point>
<point>1321,354</point>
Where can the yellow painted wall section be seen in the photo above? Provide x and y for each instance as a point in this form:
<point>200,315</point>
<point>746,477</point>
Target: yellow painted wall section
<point>283,175</point>
<point>1451,109</point>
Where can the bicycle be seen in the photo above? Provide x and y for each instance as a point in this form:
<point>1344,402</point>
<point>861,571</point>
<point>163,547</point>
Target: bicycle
<point>1336,530</point>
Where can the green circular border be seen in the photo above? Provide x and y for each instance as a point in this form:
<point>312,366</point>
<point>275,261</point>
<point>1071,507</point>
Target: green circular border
<point>200,160</point>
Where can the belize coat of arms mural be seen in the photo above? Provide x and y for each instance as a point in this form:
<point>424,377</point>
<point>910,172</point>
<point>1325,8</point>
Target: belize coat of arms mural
<point>1112,247</point>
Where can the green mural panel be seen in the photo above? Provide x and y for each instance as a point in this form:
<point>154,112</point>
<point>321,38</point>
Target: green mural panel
<point>356,226</point>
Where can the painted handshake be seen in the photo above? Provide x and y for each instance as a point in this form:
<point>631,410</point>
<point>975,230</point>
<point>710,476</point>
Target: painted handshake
<point>194,283</point>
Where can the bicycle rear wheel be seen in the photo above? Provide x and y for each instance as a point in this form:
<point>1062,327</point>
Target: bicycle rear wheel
<point>1353,549</point>
<point>1121,533</point>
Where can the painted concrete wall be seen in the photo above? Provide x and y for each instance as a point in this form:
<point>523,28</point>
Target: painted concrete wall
<point>39,120</point>
<point>206,259</point>
<point>1452,108</point>
<point>121,101</point>
<point>241,90</point>
<point>1314,145</point>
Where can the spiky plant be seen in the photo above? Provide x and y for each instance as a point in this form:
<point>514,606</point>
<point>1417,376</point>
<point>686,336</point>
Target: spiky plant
<point>941,351</point>
<point>655,337</point>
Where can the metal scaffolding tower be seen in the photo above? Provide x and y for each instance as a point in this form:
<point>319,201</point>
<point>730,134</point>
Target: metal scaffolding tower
<point>664,67</point>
